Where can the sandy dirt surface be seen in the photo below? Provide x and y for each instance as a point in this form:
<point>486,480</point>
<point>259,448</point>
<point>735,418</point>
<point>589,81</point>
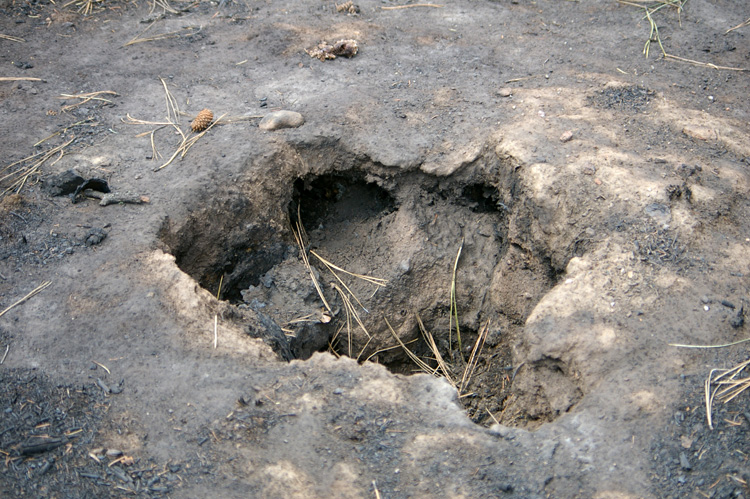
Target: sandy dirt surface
<point>510,175</point>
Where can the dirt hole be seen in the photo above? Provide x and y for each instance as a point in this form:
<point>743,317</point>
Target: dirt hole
<point>382,251</point>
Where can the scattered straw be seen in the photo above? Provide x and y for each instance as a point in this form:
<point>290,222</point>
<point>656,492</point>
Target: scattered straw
<point>216,331</point>
<point>454,305</point>
<point>433,347</point>
<point>419,362</point>
<point>741,25</point>
<point>298,236</point>
<point>29,166</point>
<point>373,280</point>
<point>709,346</point>
<point>7,348</point>
<point>474,358</point>
<point>703,64</point>
<point>164,5</point>
<point>35,291</point>
<point>12,38</point>
<point>18,78</point>
<point>218,293</point>
<point>173,120</point>
<point>375,488</point>
<point>102,366</point>
<point>87,97</point>
<point>186,31</point>
<point>63,130</point>
<point>725,386</point>
<point>85,7</point>
<point>650,8</point>
<point>386,349</point>
<point>173,110</point>
<point>492,416</point>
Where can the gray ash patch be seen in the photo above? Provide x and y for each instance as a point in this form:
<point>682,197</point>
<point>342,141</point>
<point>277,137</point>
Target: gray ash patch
<point>44,435</point>
<point>660,247</point>
<point>692,460</point>
<point>48,441</point>
<point>633,98</point>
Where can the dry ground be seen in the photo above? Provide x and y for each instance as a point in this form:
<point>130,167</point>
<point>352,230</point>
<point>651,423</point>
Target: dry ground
<point>598,198</point>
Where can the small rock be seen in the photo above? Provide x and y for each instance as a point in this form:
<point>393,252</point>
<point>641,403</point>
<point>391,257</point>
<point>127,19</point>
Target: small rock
<point>95,236</point>
<point>505,92</point>
<point>338,391</point>
<point>114,452</point>
<point>589,170</point>
<point>567,136</point>
<point>684,462</point>
<point>281,119</point>
<point>62,183</point>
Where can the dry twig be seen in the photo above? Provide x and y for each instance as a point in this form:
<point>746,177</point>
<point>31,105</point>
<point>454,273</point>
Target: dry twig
<point>19,177</point>
<point>726,386</point>
<point>186,31</point>
<point>741,25</point>
<point>649,8</point>
<point>454,304</point>
<point>35,291</point>
<point>19,78</point>
<point>12,38</point>
<point>86,98</point>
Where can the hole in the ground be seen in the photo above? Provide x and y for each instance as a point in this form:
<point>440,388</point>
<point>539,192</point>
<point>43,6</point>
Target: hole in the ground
<point>383,265</point>
<point>337,201</point>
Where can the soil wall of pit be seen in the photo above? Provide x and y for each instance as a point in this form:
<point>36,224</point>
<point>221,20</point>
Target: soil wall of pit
<point>356,221</point>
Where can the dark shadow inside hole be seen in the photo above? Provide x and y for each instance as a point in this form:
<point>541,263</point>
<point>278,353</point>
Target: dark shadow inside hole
<point>333,199</point>
<point>481,198</point>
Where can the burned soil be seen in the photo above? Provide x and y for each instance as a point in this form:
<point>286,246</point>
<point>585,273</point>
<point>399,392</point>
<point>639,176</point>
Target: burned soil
<point>470,255</point>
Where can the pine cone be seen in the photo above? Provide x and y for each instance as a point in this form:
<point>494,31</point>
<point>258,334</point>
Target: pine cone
<point>202,121</point>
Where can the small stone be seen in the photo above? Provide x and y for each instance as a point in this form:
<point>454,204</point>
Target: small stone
<point>338,391</point>
<point>589,170</point>
<point>95,236</point>
<point>62,183</point>
<point>505,92</point>
<point>684,462</point>
<point>114,452</point>
<point>567,136</point>
<point>281,119</point>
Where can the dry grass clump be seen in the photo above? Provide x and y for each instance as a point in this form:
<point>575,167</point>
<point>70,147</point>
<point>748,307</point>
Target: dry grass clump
<point>725,385</point>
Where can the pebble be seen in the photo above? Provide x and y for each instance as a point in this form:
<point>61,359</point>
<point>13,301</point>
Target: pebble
<point>684,462</point>
<point>589,170</point>
<point>281,119</point>
<point>505,92</point>
<point>566,136</point>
